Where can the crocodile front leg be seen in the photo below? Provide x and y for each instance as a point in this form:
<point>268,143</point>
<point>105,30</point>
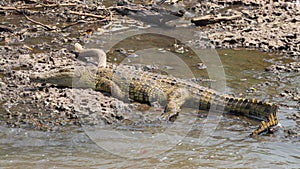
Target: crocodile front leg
<point>176,98</point>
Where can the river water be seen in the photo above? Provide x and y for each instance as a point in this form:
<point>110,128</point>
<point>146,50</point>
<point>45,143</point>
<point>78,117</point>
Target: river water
<point>183,146</point>
<point>226,146</point>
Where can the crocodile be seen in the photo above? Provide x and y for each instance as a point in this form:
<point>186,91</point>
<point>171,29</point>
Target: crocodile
<point>132,83</point>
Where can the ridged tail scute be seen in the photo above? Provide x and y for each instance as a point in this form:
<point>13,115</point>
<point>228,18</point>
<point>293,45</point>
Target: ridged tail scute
<point>271,119</point>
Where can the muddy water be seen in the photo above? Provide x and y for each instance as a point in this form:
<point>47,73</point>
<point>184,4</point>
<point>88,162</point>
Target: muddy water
<point>227,145</point>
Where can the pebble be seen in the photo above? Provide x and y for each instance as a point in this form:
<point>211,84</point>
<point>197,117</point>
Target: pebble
<point>3,85</point>
<point>201,66</point>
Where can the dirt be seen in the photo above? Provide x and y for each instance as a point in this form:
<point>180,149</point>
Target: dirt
<point>38,37</point>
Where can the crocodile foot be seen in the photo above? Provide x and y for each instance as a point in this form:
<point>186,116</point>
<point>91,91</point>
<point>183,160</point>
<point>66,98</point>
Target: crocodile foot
<point>169,116</point>
<point>275,128</point>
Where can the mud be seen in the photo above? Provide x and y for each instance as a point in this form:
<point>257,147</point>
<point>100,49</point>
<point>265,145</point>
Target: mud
<point>40,37</point>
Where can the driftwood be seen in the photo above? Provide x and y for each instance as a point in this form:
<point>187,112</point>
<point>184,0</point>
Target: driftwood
<point>209,19</point>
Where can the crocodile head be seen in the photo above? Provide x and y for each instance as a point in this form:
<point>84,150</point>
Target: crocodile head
<point>66,77</point>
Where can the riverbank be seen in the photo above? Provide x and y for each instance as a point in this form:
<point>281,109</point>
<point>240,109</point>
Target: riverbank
<point>39,37</point>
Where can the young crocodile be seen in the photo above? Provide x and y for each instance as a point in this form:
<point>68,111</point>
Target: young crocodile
<point>132,83</point>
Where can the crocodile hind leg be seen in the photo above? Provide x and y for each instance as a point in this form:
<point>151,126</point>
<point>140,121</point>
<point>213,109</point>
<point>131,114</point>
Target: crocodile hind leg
<point>109,86</point>
<point>176,99</point>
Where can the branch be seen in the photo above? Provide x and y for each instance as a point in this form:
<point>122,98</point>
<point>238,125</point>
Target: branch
<point>209,19</point>
<point>39,23</point>
<point>36,6</point>
<point>72,24</point>
<point>87,14</point>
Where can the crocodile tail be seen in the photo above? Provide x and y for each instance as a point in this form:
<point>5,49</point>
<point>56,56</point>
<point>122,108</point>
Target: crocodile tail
<point>271,120</point>
<point>266,112</point>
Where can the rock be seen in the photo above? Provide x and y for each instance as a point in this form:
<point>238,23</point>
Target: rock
<point>6,29</point>
<point>297,115</point>
<point>288,67</point>
<point>3,85</point>
<point>201,66</point>
<point>229,40</point>
<point>292,132</point>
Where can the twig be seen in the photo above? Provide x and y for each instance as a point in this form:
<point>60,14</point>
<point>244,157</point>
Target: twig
<point>39,23</point>
<point>72,24</point>
<point>36,6</point>
<point>87,14</point>
<point>50,28</point>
